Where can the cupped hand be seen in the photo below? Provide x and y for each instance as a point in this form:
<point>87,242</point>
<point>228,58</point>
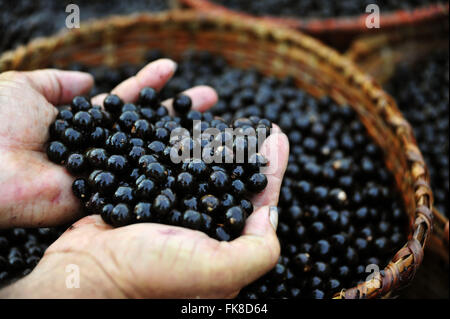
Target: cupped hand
<point>35,192</point>
<point>160,261</point>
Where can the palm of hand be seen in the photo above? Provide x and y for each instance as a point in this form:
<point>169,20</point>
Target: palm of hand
<point>29,183</point>
<point>155,260</point>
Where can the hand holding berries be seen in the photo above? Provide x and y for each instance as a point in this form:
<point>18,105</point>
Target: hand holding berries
<point>32,189</point>
<point>130,145</point>
<point>116,245</point>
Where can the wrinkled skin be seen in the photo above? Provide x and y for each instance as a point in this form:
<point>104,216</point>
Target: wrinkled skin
<point>138,261</point>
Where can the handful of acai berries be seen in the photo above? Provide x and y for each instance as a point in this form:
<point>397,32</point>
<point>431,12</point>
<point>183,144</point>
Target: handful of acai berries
<point>135,163</point>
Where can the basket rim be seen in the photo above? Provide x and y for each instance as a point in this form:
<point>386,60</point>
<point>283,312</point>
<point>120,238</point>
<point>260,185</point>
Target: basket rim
<point>374,44</point>
<point>318,26</point>
<point>409,257</point>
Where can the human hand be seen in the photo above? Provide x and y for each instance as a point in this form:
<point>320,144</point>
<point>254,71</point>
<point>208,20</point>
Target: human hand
<point>35,192</point>
<point>161,261</point>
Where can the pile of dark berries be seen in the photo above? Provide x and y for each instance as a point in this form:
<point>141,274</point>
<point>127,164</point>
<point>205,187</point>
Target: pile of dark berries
<point>339,209</point>
<point>422,94</point>
<point>24,20</point>
<point>320,8</point>
<point>21,249</point>
<point>123,158</point>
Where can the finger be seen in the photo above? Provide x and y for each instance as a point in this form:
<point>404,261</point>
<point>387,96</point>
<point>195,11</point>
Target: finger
<point>35,192</point>
<point>275,129</point>
<point>155,75</point>
<point>255,252</point>
<point>276,150</point>
<point>56,86</point>
<point>26,101</point>
<point>203,98</point>
<point>98,99</point>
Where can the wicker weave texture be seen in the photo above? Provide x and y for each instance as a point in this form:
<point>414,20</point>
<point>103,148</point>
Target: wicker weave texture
<point>273,51</point>
<point>379,56</point>
<point>356,24</point>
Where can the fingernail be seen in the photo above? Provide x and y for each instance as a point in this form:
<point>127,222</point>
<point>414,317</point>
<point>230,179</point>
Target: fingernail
<point>273,216</point>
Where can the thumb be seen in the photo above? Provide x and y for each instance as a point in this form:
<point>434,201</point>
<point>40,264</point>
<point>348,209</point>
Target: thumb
<point>55,85</point>
<point>256,251</point>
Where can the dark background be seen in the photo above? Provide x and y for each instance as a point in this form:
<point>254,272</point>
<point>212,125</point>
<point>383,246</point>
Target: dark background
<point>23,20</point>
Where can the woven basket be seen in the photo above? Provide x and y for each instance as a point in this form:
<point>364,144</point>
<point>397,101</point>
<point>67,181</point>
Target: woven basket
<point>379,56</point>
<point>340,31</point>
<point>273,51</point>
